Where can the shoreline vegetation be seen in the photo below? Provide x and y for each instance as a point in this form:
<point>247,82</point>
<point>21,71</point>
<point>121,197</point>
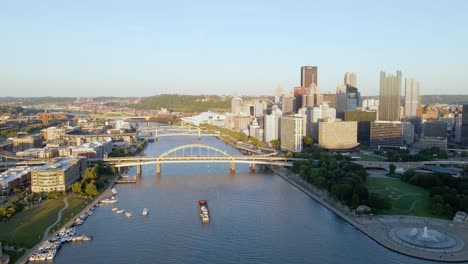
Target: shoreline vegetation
<point>16,233</point>
<point>378,227</point>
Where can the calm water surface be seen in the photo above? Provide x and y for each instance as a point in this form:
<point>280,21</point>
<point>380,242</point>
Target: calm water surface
<point>255,218</point>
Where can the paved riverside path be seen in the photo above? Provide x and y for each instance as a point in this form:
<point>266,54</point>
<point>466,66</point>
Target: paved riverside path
<point>378,227</point>
<point>46,232</point>
<point>106,193</point>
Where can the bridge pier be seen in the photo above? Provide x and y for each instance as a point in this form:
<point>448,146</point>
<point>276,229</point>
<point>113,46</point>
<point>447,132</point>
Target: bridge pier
<point>138,169</point>
<point>158,168</point>
<point>252,167</point>
<point>232,167</point>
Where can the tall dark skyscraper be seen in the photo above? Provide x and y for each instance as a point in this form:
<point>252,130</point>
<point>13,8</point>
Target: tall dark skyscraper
<point>308,75</point>
<point>464,129</point>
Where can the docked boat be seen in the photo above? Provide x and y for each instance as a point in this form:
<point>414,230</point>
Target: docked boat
<point>114,191</point>
<point>115,209</point>
<point>120,211</point>
<point>145,211</point>
<point>127,214</point>
<point>110,200</point>
<point>203,208</point>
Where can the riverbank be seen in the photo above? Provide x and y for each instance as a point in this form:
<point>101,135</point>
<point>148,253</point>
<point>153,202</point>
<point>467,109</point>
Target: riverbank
<point>379,227</point>
<point>106,193</point>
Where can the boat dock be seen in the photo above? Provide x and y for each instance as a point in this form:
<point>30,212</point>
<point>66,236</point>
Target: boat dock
<point>125,180</point>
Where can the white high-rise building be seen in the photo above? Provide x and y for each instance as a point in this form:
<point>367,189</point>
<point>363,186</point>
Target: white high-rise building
<point>236,105</point>
<point>271,127</point>
<point>291,133</point>
<point>411,96</point>
<point>350,79</point>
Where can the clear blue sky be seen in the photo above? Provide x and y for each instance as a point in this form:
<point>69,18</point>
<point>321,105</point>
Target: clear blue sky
<point>143,48</point>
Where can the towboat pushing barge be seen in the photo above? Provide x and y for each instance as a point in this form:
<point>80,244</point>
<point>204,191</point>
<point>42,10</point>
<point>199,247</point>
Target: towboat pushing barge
<point>204,214</point>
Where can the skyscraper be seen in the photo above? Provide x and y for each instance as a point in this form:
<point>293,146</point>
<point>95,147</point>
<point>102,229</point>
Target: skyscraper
<point>411,96</point>
<point>291,133</point>
<point>350,79</point>
<point>312,97</point>
<point>348,98</point>
<point>464,123</point>
<point>308,75</point>
<point>390,95</point>
<point>236,104</point>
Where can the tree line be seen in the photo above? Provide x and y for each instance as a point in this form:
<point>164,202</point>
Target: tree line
<point>448,194</point>
<point>342,179</point>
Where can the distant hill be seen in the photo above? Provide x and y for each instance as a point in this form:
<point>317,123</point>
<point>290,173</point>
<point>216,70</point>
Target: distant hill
<point>438,98</point>
<point>444,99</point>
<point>184,103</point>
<point>35,100</point>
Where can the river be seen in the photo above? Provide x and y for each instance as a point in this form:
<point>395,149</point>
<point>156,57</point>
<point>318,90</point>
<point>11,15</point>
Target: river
<point>255,218</point>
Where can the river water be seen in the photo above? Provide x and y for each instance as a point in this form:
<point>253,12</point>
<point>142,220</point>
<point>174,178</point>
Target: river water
<point>255,218</point>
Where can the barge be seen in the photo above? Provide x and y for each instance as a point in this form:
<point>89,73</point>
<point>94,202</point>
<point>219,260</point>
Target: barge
<point>204,213</point>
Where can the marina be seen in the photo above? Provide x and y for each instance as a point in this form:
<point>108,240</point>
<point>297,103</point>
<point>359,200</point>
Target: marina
<point>48,249</point>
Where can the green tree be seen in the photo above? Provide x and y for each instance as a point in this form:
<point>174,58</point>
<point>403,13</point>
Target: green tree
<point>392,168</point>
<point>355,200</point>
<point>91,189</point>
<point>275,143</point>
<point>307,141</point>
<point>77,188</point>
<point>437,209</point>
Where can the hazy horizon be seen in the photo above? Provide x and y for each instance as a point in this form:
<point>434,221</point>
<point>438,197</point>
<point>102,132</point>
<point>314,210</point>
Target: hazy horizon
<point>128,49</point>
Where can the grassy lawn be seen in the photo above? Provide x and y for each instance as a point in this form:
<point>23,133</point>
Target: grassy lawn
<point>406,199</point>
<point>14,255</point>
<point>368,157</point>
<point>26,228</point>
<point>75,205</point>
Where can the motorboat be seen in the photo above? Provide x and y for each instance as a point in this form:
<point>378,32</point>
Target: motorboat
<point>111,200</point>
<point>127,214</point>
<point>115,209</point>
<point>120,211</point>
<point>145,211</point>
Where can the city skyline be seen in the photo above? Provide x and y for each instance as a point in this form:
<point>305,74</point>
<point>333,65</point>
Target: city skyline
<point>128,49</point>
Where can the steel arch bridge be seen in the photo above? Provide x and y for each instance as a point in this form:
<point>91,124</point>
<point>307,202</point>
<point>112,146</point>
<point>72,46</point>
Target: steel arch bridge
<point>197,153</point>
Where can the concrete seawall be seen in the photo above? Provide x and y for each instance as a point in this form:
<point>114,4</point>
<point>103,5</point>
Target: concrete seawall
<point>378,227</point>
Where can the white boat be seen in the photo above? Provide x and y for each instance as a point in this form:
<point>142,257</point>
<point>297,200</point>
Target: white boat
<point>120,211</point>
<point>50,256</point>
<point>115,209</point>
<point>145,211</point>
<point>114,191</point>
<point>32,257</point>
<point>127,214</point>
<point>109,200</point>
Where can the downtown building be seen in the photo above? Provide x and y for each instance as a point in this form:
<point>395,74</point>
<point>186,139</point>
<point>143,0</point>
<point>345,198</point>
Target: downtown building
<point>291,133</point>
<point>390,96</point>
<point>271,127</point>
<point>386,133</point>
<point>412,99</point>
<point>236,106</point>
<point>338,136</point>
<point>308,75</point>
<point>57,176</point>
<point>364,120</point>
<point>464,126</point>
